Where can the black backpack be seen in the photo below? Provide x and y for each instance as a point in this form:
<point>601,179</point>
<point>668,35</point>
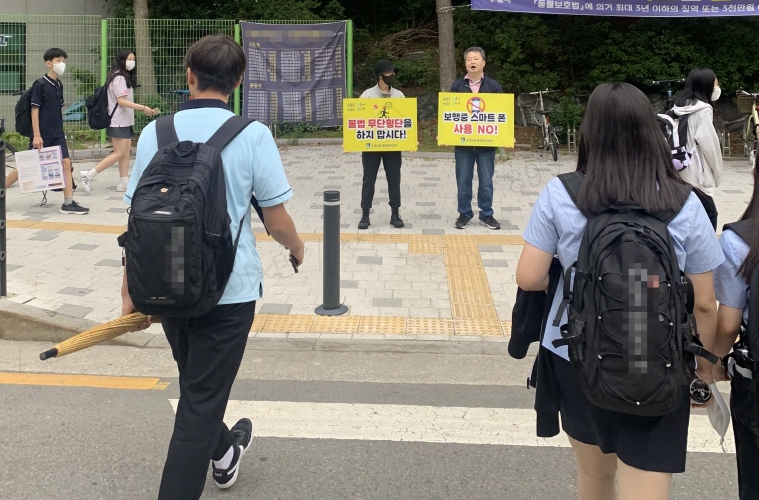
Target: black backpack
<point>24,109</point>
<point>631,327</point>
<point>178,244</point>
<point>98,116</point>
<point>749,332</point>
<point>675,130</point>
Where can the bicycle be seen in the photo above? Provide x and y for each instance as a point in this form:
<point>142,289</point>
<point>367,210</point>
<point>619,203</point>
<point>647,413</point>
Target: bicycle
<point>747,104</point>
<point>669,103</point>
<point>550,139</point>
<point>10,150</point>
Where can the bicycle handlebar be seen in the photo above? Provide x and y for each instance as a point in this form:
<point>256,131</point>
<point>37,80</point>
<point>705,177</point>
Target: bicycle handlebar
<point>546,91</point>
<point>672,80</point>
<point>743,92</point>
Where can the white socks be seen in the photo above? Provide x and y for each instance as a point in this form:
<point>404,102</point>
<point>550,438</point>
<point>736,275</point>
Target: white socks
<point>226,460</point>
<point>92,173</point>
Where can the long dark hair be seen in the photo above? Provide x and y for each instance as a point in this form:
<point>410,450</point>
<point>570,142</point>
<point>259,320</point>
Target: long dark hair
<point>698,87</point>
<point>752,212</point>
<point>119,67</point>
<point>623,153</point>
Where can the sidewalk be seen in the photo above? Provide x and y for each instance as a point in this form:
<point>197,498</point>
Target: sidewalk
<point>427,280</point>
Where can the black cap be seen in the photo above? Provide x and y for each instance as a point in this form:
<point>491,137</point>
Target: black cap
<point>383,66</point>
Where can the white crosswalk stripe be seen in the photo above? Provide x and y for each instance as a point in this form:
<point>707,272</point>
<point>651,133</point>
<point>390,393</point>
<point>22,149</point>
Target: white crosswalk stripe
<point>426,424</point>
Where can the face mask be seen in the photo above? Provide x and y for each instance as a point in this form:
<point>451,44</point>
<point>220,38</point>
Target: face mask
<point>130,65</point>
<point>719,415</point>
<point>716,93</point>
<point>389,80</point>
<point>59,68</point>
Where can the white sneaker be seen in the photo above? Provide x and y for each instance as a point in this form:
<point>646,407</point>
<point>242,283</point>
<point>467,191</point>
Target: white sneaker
<point>120,187</point>
<point>86,181</point>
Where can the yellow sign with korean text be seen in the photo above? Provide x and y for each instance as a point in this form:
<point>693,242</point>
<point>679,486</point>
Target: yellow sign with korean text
<point>380,124</point>
<point>475,119</point>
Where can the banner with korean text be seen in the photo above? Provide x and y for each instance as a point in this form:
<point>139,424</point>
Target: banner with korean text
<point>380,124</point>
<point>475,119</point>
<point>626,8</point>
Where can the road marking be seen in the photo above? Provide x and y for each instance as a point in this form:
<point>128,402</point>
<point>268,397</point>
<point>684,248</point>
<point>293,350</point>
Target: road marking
<point>98,381</point>
<point>424,424</point>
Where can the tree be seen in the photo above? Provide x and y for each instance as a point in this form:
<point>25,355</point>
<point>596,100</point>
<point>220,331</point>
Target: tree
<point>446,45</point>
<point>144,53</point>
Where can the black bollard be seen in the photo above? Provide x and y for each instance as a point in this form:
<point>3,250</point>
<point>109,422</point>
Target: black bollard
<point>3,253</point>
<point>331,248</point>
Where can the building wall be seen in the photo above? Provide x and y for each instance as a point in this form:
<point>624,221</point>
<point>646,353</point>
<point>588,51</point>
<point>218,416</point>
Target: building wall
<point>54,7</point>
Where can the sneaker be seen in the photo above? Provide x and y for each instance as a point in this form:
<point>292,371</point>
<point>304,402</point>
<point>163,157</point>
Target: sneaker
<point>462,222</point>
<point>121,186</point>
<point>242,433</point>
<point>490,222</point>
<point>86,181</point>
<point>74,208</point>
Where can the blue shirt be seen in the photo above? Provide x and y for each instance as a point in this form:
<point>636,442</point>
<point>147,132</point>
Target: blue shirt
<point>731,288</point>
<point>557,226</point>
<point>251,165</point>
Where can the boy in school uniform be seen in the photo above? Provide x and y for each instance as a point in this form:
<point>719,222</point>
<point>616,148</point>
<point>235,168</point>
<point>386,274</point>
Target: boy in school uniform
<point>47,124</point>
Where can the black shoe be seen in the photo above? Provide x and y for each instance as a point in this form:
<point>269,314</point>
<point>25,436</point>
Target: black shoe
<point>74,208</point>
<point>364,222</point>
<point>243,435</point>
<point>395,218</point>
<point>490,222</point>
<point>462,222</point>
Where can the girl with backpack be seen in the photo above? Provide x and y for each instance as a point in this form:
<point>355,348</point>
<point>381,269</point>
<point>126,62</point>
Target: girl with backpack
<point>624,159</point>
<point>705,171</point>
<point>120,83</point>
<point>732,280</point>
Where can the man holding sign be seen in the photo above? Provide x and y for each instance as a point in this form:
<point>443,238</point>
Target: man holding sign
<point>475,82</point>
<point>384,71</point>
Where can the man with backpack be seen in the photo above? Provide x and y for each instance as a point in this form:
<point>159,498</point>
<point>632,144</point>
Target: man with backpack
<point>39,116</point>
<point>190,255</point>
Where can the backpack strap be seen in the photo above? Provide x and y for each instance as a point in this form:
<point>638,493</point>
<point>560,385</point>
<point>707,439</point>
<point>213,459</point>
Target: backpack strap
<point>165,131</point>
<point>572,182</point>
<point>683,193</point>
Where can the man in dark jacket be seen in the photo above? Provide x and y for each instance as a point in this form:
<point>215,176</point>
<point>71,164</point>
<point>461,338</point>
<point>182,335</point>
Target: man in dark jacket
<point>475,81</point>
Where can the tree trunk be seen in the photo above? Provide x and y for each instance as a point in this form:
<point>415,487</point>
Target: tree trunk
<point>445,44</point>
<point>144,54</point>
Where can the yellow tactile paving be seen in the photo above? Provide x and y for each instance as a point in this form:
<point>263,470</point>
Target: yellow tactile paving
<point>486,328</point>
<point>429,326</point>
<point>471,297</point>
<point>465,260</point>
<point>382,324</point>
<point>467,284</point>
<point>335,324</point>
<point>288,323</point>
<point>98,381</point>
<point>425,244</point>
<point>258,323</point>
<point>506,327</point>
<point>473,311</point>
<point>471,272</point>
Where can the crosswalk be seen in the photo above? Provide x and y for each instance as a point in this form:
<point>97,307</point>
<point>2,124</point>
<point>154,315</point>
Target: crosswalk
<point>422,424</point>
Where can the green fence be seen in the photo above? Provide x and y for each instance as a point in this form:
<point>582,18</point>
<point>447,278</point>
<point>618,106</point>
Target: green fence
<point>91,42</point>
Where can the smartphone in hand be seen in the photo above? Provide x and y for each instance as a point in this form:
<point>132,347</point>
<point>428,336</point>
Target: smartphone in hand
<point>294,263</point>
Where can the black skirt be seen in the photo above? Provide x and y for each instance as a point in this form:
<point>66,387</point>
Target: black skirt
<point>656,444</point>
<point>120,132</point>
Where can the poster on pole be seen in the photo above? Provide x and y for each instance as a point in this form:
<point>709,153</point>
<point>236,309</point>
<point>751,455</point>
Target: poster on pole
<point>626,8</point>
<point>40,170</point>
<point>295,73</point>
<point>380,124</point>
<point>466,119</point>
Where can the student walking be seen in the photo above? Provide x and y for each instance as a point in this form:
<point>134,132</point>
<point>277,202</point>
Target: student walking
<point>705,171</point>
<point>121,82</point>
<point>623,162</point>
<point>738,319</point>
<point>47,124</point>
<point>384,72</point>
<point>209,348</point>
<point>475,81</point>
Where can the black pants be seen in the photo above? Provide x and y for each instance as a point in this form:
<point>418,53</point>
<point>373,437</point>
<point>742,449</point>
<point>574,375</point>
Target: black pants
<point>392,163</point>
<point>744,407</point>
<point>709,205</point>
<point>208,351</point>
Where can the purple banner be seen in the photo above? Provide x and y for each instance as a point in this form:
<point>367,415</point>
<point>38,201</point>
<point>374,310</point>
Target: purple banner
<point>626,8</point>
<point>295,74</point>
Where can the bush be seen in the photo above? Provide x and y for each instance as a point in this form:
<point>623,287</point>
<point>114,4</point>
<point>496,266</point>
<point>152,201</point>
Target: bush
<point>18,141</point>
<point>568,114</point>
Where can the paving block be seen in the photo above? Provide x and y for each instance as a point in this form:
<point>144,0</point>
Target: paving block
<point>383,325</point>
<point>491,248</point>
<point>83,246</point>
<point>474,311</point>
<point>364,259</point>
<point>495,263</point>
<point>429,326</point>
<point>479,327</point>
<point>387,302</point>
<point>335,324</point>
<point>74,310</point>
<point>109,263</point>
<point>78,292</point>
<point>269,308</point>
<point>288,323</point>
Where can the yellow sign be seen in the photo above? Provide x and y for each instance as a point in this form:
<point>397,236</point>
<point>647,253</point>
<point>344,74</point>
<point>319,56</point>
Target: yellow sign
<point>380,124</point>
<point>475,119</point>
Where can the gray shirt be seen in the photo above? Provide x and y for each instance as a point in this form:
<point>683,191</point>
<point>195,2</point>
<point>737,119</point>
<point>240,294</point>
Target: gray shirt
<point>376,92</point>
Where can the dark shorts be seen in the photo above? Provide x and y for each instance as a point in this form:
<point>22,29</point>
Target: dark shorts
<point>120,132</point>
<point>61,141</point>
<point>657,444</point>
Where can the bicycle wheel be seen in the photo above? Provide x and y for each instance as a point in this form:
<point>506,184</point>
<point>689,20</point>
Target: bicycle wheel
<point>749,139</point>
<point>10,151</point>
<point>554,144</point>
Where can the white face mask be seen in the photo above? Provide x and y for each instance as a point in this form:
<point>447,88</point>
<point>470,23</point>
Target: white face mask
<point>59,68</point>
<point>130,65</point>
<point>716,93</point>
<point>719,415</point>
